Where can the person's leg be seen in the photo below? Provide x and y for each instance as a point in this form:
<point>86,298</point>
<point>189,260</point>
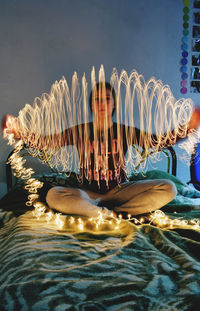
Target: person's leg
<point>74,201</point>
<point>140,197</point>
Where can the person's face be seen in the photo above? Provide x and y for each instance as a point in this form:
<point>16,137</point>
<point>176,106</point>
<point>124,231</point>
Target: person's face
<point>103,104</point>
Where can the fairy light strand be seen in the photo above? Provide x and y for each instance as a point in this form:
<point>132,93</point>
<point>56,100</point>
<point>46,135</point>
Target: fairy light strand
<point>157,218</point>
<point>61,109</point>
<point>148,105</point>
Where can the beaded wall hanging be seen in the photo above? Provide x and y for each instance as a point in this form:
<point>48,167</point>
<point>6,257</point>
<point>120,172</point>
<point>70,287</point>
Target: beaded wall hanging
<point>190,57</point>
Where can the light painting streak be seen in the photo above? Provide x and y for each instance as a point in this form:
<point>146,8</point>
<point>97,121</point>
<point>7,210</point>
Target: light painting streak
<point>51,114</point>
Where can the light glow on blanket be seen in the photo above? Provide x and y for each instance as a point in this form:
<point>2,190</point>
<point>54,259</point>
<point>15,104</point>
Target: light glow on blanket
<point>76,223</point>
<point>157,218</point>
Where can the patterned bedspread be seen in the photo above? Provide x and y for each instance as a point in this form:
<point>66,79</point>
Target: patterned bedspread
<point>133,268</point>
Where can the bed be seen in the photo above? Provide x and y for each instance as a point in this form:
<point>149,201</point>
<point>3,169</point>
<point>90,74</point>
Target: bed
<point>129,266</point>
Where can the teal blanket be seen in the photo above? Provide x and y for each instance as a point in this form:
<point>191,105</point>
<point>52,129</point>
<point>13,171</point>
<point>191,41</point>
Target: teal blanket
<point>187,195</point>
<point>132,268</point>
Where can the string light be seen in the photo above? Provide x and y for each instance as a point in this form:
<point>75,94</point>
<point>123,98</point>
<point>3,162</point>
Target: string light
<point>49,216</point>
<point>157,112</point>
<point>157,218</point>
<point>161,220</point>
<point>39,210</point>
<point>42,117</point>
<point>58,220</point>
<point>81,226</point>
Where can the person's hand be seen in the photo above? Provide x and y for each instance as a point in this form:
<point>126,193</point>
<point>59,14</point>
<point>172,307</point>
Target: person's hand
<point>10,125</point>
<point>194,122</point>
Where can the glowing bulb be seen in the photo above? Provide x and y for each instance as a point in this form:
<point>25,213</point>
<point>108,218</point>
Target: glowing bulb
<point>81,226</point>
<point>71,220</point>
<point>112,214</point>
<point>39,210</point>
<point>59,222</point>
<point>100,216</point>
<point>142,220</point>
<point>49,216</point>
<point>118,221</point>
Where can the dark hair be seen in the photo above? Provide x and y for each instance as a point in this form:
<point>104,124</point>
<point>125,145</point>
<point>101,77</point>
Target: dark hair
<point>108,86</point>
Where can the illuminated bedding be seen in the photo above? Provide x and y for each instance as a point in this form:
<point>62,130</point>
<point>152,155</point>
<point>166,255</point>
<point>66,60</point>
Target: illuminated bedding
<point>131,268</point>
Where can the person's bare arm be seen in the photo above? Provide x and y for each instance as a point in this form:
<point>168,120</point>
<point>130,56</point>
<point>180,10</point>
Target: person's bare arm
<point>11,126</point>
<point>194,122</point>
